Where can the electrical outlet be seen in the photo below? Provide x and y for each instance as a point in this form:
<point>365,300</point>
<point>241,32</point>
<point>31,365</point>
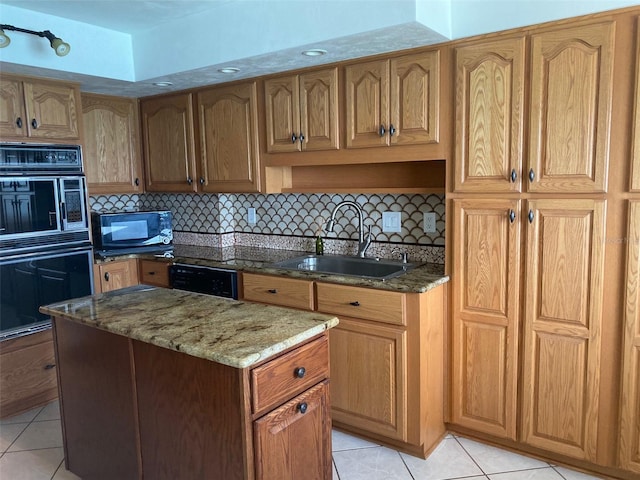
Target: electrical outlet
<point>391,222</point>
<point>251,216</point>
<point>429,224</point>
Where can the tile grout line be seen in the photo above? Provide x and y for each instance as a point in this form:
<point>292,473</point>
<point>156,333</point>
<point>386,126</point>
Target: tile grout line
<point>471,457</point>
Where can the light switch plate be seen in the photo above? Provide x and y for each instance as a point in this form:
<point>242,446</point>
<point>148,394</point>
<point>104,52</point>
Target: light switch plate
<point>251,216</point>
<point>391,222</point>
<point>429,224</point>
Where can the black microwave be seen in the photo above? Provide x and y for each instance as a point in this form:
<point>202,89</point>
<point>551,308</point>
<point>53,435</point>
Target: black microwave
<point>129,232</point>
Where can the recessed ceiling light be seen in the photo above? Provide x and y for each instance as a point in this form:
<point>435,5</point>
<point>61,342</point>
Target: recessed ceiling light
<point>229,70</point>
<point>314,52</point>
<point>162,84</point>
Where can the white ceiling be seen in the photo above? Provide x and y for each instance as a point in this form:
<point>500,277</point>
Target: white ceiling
<point>186,42</point>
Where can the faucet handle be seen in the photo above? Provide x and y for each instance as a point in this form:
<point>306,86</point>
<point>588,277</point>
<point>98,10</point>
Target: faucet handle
<point>405,257</point>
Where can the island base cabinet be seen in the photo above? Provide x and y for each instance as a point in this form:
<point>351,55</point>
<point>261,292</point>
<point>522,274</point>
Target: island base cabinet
<point>291,441</point>
<point>96,402</point>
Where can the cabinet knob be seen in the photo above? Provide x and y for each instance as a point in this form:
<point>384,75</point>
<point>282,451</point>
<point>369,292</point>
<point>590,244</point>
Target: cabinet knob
<point>512,216</point>
<point>189,180</point>
<point>34,123</point>
<point>302,407</point>
<point>382,130</point>
<point>106,276</point>
<point>19,122</point>
<point>272,290</point>
<point>49,366</point>
<point>136,182</point>
<point>301,137</point>
<point>531,216</point>
<point>355,304</point>
<point>532,175</point>
<point>392,130</point>
<point>293,138</point>
<point>201,180</point>
<point>514,175</point>
<point>299,372</point>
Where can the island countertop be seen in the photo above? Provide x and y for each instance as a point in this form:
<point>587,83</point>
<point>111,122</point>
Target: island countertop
<point>231,332</point>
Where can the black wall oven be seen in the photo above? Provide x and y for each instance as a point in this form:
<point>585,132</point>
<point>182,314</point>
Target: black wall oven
<point>45,248</point>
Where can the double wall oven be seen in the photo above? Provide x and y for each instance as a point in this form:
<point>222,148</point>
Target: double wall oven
<point>45,245</point>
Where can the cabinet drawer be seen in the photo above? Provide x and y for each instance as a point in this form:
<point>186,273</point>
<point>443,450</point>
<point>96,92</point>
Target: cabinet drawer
<point>288,375</point>
<point>368,304</point>
<point>154,273</point>
<point>286,292</point>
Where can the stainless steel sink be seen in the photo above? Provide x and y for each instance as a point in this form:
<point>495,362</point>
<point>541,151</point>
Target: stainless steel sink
<point>379,269</point>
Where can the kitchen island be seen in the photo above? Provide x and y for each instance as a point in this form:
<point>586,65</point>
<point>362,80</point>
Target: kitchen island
<point>167,384</point>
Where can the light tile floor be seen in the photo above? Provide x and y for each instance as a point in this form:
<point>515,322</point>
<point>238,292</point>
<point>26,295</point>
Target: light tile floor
<point>31,449</point>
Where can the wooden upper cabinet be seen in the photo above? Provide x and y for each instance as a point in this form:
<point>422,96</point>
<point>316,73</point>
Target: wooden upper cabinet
<point>13,117</point>
<point>302,112</point>
<point>228,125</point>
<point>393,102</point>
<point>168,143</point>
<point>570,109</point>
<point>629,447</point>
<point>485,292</point>
<point>635,150</point>
<point>39,109</point>
<point>562,325</point>
<point>111,152</point>
<point>490,79</point>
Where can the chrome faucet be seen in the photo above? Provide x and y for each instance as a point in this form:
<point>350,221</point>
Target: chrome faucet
<point>363,240</point>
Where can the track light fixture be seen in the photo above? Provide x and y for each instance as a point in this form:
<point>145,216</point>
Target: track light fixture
<point>61,48</point>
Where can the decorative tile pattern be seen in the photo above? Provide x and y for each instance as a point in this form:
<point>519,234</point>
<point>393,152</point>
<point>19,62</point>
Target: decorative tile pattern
<point>291,221</point>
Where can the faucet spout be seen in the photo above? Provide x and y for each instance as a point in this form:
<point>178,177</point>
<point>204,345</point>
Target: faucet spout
<point>363,241</point>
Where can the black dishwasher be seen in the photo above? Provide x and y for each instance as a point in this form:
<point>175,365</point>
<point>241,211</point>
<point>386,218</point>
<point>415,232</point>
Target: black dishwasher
<point>201,279</point>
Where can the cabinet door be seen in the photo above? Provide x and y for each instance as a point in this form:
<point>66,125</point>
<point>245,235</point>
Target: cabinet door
<point>635,139</point>
<point>319,110</point>
<point>630,405</point>
<point>294,441</point>
<point>168,142</point>
<point>115,275</point>
<point>282,110</point>
<point>52,110</point>
<point>367,95</point>
<point>111,146</point>
<point>414,99</point>
<point>485,293</point>
<point>13,118</point>
<point>562,325</point>
<point>229,139</point>
<point>368,377</point>
<point>570,109</point>
<point>489,116</point>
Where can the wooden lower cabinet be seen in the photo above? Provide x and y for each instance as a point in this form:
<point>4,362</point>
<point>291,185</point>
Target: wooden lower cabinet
<point>629,451</point>
<point>368,381</point>
<point>114,275</point>
<point>132,410</point>
<point>27,373</point>
<point>299,424</point>
<point>387,356</point>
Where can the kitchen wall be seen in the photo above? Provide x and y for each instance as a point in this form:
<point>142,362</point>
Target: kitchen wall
<point>291,221</point>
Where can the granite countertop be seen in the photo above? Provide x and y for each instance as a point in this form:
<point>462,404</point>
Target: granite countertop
<point>260,260</point>
<point>234,333</point>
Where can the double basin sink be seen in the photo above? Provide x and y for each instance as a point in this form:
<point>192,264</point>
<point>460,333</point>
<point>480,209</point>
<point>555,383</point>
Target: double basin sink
<point>372,268</point>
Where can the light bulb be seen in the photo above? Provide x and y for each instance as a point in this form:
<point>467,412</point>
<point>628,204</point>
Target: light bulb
<point>61,48</point>
<point>4,39</point>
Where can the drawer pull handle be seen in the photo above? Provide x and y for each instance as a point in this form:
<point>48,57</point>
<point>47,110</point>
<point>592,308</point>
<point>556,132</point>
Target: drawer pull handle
<point>272,290</point>
<point>299,372</point>
<point>151,273</point>
<point>49,366</point>
<point>355,304</point>
<point>302,407</point>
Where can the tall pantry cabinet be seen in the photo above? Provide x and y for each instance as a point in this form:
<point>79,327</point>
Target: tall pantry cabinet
<point>528,196</point>
<point>629,448</point>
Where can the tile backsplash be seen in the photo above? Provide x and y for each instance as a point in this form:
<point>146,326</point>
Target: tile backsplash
<point>290,220</point>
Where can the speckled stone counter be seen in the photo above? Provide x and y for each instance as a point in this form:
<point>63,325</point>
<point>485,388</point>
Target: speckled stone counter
<point>260,260</point>
<point>230,332</point>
